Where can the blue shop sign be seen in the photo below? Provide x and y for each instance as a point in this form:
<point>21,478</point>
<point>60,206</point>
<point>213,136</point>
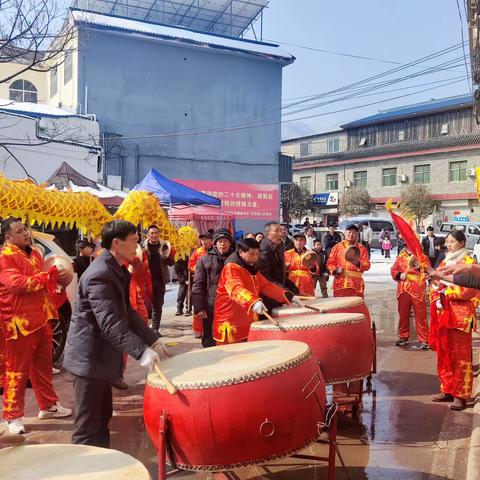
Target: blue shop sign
<point>325,199</point>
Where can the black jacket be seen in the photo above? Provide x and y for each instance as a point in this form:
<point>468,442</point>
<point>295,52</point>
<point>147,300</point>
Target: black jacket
<point>329,241</point>
<point>272,262</point>
<point>205,280</point>
<point>468,280</point>
<point>288,244</point>
<point>426,246</point>
<point>103,324</point>
<point>181,270</point>
<point>321,261</point>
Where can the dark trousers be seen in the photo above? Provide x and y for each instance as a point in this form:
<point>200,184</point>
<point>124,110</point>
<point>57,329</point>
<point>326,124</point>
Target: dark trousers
<point>158,298</point>
<point>207,336</point>
<point>181,296</point>
<point>93,405</point>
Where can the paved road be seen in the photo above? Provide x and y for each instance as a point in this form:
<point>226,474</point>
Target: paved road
<point>399,435</point>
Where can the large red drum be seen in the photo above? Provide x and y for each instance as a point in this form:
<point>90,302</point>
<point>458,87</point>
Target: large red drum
<point>342,342</point>
<point>237,404</point>
<point>325,305</point>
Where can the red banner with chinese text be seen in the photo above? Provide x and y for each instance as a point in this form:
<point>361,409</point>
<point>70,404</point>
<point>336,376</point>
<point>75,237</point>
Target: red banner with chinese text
<point>250,201</point>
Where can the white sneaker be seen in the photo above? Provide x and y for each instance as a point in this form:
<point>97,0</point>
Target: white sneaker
<point>55,411</point>
<point>55,371</point>
<point>16,426</point>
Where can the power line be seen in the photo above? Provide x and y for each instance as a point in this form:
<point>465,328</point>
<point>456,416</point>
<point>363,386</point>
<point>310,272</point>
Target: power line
<point>333,52</point>
<point>463,43</point>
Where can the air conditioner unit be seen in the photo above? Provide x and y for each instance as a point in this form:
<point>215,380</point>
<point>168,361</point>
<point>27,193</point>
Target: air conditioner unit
<point>402,178</point>
<point>347,183</point>
<point>471,172</point>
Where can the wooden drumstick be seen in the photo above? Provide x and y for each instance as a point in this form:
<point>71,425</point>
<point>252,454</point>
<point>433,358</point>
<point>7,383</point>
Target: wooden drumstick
<point>302,297</point>
<point>274,321</point>
<point>171,388</point>
<point>311,307</point>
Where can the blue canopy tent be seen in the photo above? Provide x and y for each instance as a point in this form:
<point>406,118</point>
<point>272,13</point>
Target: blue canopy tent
<point>173,193</point>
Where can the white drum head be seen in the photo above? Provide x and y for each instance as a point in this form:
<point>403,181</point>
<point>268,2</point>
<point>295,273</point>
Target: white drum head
<point>324,304</point>
<point>68,462</point>
<point>306,322</point>
<point>230,364</point>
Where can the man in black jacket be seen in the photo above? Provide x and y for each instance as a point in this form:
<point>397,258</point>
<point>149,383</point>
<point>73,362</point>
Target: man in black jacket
<point>428,245</point>
<point>103,327</point>
<point>181,272</point>
<point>205,281</point>
<point>330,239</point>
<point>322,276</point>
<point>158,262</point>
<point>272,261</point>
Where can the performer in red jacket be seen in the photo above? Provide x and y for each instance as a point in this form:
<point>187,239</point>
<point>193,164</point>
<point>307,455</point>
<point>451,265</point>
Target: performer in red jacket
<point>238,301</point>
<point>452,319</point>
<point>348,281</point>
<point>411,293</point>
<point>25,309</point>
<point>298,272</point>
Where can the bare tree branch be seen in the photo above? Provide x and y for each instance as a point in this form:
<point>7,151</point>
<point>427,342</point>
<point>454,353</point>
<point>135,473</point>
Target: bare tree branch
<point>34,34</point>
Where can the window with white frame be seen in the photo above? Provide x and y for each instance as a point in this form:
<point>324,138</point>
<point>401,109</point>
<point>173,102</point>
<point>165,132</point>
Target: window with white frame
<point>23,91</point>
<point>305,149</point>
<point>360,179</point>
<point>306,183</point>
<point>332,181</point>
<point>333,145</point>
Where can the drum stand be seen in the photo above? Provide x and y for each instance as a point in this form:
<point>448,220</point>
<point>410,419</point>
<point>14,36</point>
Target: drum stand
<point>330,426</point>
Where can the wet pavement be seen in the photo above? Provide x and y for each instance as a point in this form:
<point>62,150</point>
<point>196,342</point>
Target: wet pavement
<point>399,434</point>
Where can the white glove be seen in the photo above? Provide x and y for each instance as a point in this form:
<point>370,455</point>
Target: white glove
<point>297,301</point>
<point>159,348</point>
<point>259,308</point>
<point>148,359</point>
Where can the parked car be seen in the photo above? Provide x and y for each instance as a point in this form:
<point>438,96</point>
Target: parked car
<point>471,231</point>
<point>60,325</point>
<point>377,224</point>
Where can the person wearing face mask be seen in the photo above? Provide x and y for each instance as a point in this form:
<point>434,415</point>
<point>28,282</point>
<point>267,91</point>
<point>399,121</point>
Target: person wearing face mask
<point>452,314</point>
<point>205,281</point>
<point>238,302</point>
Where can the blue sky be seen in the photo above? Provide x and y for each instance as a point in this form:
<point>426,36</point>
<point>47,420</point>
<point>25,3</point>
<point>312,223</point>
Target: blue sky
<point>394,30</point>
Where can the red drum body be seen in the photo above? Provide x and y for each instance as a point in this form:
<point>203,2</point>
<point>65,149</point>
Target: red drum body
<point>237,404</point>
<point>342,342</point>
<point>325,305</point>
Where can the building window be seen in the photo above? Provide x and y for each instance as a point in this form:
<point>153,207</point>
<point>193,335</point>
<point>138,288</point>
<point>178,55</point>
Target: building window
<point>23,91</point>
<point>332,181</point>
<point>389,177</point>
<point>333,145</point>
<point>444,129</point>
<point>306,183</point>
<point>401,135</point>
<point>458,171</point>
<point>53,81</point>
<point>360,179</point>
<point>421,174</point>
<point>67,68</point>
<point>305,149</point>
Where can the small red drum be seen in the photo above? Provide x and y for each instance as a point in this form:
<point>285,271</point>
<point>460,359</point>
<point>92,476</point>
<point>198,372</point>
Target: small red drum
<point>342,342</point>
<point>325,305</point>
<point>237,404</point>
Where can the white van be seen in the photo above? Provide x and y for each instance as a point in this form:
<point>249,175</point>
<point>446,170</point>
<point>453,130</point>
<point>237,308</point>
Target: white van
<point>377,224</point>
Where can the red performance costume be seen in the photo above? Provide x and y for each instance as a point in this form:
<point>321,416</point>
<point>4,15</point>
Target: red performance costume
<point>197,324</point>
<point>140,286</point>
<point>350,282</point>
<point>411,293</point>
<point>300,275</point>
<point>25,309</point>
<point>452,314</point>
<point>238,289</point>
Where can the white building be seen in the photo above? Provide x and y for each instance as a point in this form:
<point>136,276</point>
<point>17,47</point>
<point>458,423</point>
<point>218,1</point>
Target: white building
<point>36,139</point>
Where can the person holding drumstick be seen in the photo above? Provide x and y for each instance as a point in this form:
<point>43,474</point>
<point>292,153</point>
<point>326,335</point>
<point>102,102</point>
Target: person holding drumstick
<point>347,261</point>
<point>301,266</point>
<point>103,326</point>
<point>411,293</point>
<point>238,302</point>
